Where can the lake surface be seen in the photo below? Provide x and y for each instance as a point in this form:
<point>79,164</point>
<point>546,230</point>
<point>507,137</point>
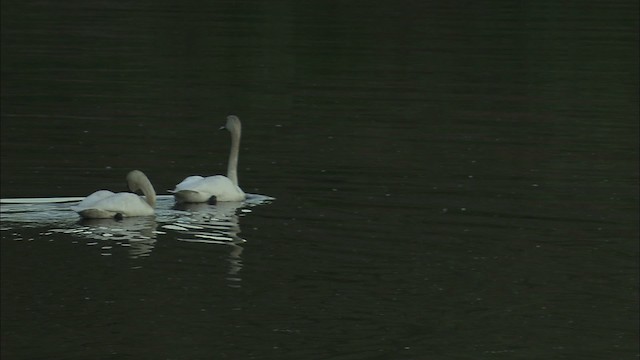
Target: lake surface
<point>453,181</point>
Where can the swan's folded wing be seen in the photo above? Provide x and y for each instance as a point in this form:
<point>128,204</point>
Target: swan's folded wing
<point>198,189</point>
<point>210,185</point>
<point>188,183</point>
<point>92,199</point>
<point>127,204</point>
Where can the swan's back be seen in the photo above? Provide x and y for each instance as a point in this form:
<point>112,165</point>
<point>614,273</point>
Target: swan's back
<point>126,204</point>
<point>92,199</point>
<point>198,189</point>
<point>189,182</point>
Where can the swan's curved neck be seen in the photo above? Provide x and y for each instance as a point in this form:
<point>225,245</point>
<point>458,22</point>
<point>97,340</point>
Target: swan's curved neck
<point>136,180</point>
<point>232,167</point>
<point>149,195</point>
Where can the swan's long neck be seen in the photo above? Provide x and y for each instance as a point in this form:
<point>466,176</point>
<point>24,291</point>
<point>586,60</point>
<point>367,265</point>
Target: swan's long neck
<point>232,167</point>
<point>148,191</point>
<point>149,194</point>
<point>137,180</point>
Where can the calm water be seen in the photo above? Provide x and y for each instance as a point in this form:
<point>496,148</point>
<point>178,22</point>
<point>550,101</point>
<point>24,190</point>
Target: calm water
<point>453,181</point>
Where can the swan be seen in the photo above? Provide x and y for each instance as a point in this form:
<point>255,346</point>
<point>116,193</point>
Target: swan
<point>198,189</point>
<point>104,204</point>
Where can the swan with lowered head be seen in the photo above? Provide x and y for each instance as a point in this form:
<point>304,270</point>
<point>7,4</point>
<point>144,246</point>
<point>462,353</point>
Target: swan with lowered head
<point>104,204</point>
<point>198,189</point>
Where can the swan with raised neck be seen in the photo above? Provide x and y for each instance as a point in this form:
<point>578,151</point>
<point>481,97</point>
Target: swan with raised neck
<point>198,189</point>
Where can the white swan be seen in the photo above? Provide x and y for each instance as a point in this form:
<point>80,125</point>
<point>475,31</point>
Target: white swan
<point>198,189</point>
<point>104,204</point>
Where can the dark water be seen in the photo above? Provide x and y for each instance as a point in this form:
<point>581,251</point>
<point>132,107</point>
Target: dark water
<point>453,180</point>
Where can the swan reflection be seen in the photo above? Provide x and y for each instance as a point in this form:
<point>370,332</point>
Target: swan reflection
<point>212,224</point>
<point>195,223</point>
<point>138,234</point>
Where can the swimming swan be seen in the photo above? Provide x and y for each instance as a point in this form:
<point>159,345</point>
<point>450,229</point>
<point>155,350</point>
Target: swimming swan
<point>198,189</point>
<point>104,204</point>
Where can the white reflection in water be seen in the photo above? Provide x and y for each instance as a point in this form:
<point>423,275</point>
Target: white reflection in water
<point>211,224</point>
<point>195,223</point>
<point>138,234</point>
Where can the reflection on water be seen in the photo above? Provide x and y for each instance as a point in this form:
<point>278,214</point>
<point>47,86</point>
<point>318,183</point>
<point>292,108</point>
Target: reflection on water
<point>138,234</point>
<point>35,214</point>
<point>215,224</point>
<point>197,223</point>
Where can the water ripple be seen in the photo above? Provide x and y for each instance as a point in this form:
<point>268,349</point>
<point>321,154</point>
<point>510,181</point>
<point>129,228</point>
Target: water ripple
<point>196,223</point>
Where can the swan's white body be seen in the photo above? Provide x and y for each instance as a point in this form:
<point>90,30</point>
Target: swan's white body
<point>198,189</point>
<point>104,204</point>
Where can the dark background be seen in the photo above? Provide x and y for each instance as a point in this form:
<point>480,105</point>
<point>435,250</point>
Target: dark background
<point>452,180</point>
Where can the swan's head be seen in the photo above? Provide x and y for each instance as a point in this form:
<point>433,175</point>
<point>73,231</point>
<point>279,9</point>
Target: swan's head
<point>232,124</point>
<point>135,179</point>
